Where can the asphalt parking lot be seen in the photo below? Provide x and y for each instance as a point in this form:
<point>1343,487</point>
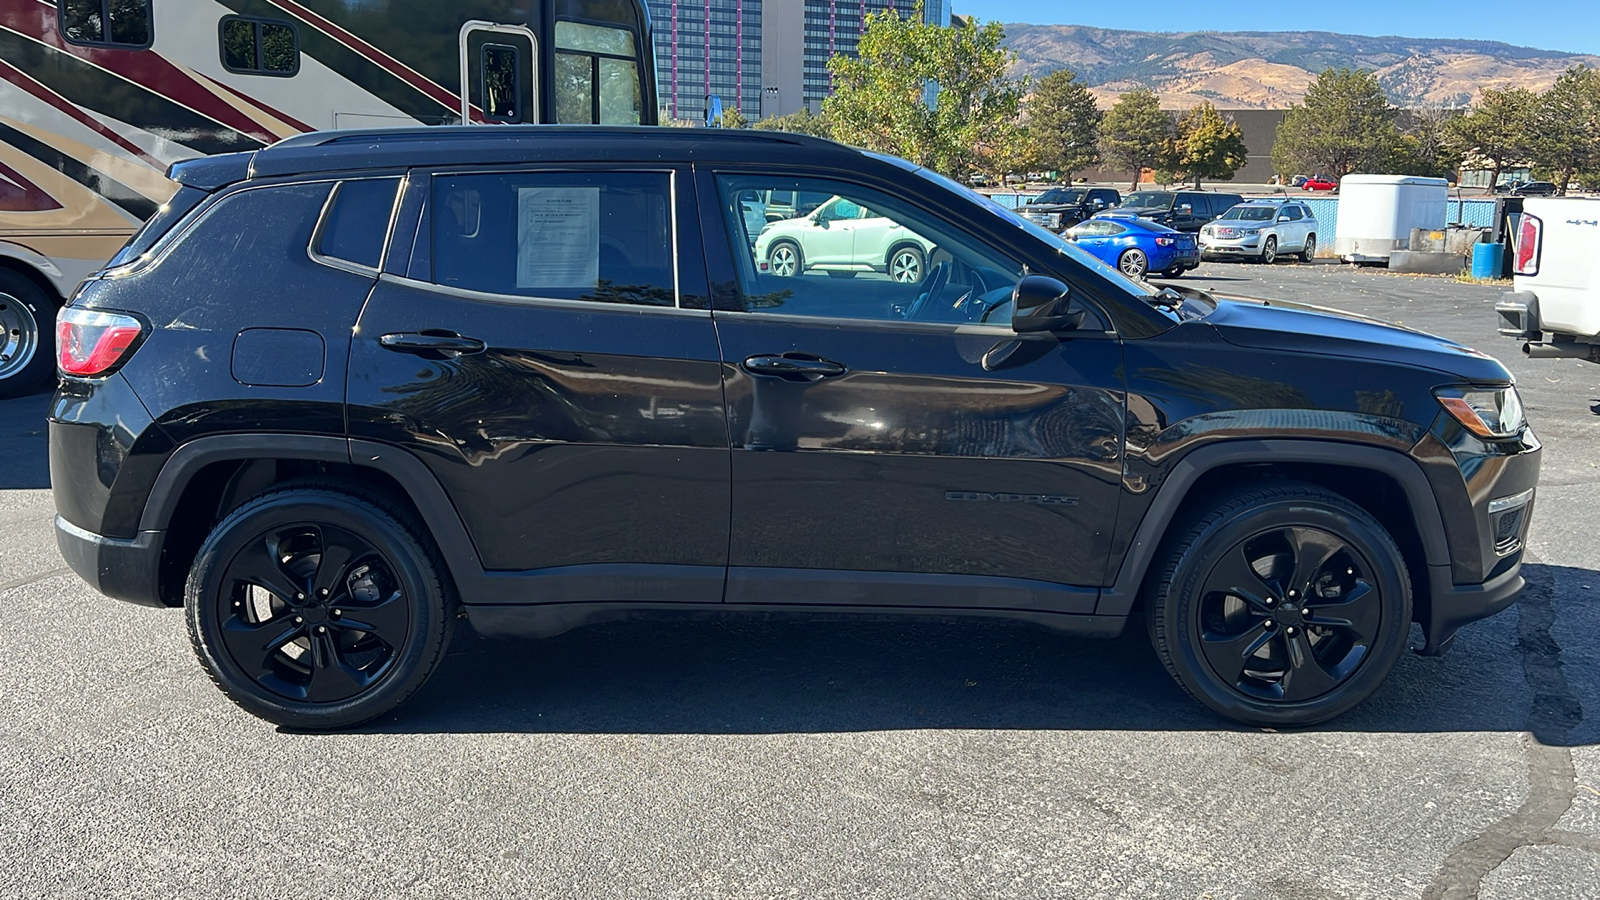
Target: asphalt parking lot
<point>823,760</point>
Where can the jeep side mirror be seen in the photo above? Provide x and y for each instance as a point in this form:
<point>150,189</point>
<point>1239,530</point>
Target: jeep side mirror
<point>1039,303</point>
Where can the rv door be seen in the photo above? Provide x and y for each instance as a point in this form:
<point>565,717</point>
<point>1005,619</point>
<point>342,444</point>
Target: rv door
<point>499,74</point>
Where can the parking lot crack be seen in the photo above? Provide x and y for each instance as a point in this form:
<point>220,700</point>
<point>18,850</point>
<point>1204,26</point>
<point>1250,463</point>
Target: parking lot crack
<point>1552,782</point>
<point>33,579</point>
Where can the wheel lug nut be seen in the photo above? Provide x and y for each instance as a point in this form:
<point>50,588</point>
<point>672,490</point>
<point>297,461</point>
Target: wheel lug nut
<point>1349,571</point>
<point>337,613</point>
<point>1291,595</point>
<point>1271,624</point>
<point>322,629</point>
<point>1290,631</point>
<point>298,620</point>
<point>299,596</point>
<point>322,593</point>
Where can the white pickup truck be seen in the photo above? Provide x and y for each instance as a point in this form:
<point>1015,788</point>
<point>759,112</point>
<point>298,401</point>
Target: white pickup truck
<point>1554,307</point>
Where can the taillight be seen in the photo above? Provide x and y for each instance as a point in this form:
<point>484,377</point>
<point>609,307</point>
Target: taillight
<point>91,342</point>
<point>1164,241</point>
<point>1528,235</point>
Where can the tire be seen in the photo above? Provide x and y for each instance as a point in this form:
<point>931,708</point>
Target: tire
<point>1174,272</point>
<point>1269,251</point>
<point>784,259</point>
<point>1309,251</point>
<point>252,596</point>
<point>1134,264</point>
<point>1241,642</point>
<point>27,336</point>
<point>907,265</point>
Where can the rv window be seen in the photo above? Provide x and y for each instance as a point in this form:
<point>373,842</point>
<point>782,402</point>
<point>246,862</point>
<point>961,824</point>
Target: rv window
<point>357,221</point>
<point>259,46</point>
<point>597,75</point>
<point>85,22</point>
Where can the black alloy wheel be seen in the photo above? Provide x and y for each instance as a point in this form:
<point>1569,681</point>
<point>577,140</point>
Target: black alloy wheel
<point>315,609</point>
<point>1284,606</point>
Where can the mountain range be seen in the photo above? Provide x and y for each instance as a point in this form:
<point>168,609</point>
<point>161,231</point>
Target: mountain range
<point>1270,70</point>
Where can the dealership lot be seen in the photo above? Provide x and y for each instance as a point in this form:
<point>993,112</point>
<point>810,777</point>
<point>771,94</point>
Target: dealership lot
<point>834,759</point>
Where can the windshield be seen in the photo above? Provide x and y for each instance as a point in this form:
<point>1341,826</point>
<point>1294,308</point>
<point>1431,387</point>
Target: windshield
<point>1061,195</point>
<point>1146,199</point>
<point>1139,289</point>
<point>1252,213</point>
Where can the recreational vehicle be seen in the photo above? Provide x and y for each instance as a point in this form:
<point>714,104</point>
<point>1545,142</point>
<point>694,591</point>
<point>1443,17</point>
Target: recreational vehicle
<point>99,97</point>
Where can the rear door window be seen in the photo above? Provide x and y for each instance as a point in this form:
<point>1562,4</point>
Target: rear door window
<point>604,237</point>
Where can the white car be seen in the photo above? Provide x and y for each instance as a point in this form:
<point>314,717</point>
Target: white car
<point>1261,229</point>
<point>1554,304</point>
<point>842,237</point>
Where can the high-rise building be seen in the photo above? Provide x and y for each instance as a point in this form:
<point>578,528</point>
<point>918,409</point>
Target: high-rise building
<point>706,47</point>
<point>835,26</point>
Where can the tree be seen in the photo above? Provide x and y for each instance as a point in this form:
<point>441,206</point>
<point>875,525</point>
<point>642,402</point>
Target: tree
<point>1207,145</point>
<point>802,122</point>
<point>1136,135</point>
<point>1345,125</point>
<point>732,118</point>
<point>1425,147</point>
<point>1566,126</point>
<point>1499,130</point>
<point>937,96</point>
<point>1064,123</point>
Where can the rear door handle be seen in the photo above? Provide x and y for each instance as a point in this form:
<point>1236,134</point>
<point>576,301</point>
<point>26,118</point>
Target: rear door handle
<point>442,342</point>
<point>791,366</point>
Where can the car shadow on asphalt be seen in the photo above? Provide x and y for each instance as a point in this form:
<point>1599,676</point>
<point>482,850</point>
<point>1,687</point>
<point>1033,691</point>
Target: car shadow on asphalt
<point>25,462</point>
<point>767,677</point>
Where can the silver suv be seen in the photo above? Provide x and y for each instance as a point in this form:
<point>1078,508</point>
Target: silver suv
<point>1263,230</point>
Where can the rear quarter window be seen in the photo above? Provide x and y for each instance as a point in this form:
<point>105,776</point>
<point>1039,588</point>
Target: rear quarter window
<point>355,225</point>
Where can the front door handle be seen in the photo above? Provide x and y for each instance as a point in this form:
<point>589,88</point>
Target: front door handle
<point>445,343</point>
<point>791,367</point>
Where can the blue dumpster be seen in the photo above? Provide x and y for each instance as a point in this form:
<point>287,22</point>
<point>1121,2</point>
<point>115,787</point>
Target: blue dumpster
<point>1486,260</point>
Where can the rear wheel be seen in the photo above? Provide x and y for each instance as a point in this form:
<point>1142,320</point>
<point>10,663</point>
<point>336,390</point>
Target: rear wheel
<point>1174,272</point>
<point>314,609</point>
<point>1269,251</point>
<point>1133,263</point>
<point>27,336</point>
<point>1309,251</point>
<point>906,265</point>
<point>1282,606</point>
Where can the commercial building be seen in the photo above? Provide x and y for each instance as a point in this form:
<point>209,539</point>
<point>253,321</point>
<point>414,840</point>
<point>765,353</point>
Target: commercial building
<point>800,36</point>
<point>706,47</point>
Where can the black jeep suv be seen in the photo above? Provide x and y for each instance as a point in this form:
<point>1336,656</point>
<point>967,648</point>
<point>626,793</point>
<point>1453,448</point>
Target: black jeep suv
<point>348,388</point>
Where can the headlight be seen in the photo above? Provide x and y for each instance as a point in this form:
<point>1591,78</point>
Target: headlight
<point>1054,219</point>
<point>1486,412</point>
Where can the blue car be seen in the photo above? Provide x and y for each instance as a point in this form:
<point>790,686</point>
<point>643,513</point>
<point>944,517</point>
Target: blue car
<point>1136,246</point>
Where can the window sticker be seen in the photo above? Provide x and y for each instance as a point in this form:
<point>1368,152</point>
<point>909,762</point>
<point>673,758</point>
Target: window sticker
<point>558,237</point>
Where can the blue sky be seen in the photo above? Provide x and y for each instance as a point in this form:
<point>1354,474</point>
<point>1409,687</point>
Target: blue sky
<point>1570,25</point>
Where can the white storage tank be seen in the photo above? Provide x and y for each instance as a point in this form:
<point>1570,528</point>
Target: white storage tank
<point>1377,213</point>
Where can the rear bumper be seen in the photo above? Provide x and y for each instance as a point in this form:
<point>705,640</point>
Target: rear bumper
<point>121,569</point>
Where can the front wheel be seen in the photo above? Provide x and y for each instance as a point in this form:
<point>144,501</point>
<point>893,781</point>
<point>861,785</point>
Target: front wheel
<point>1281,606</point>
<point>1309,251</point>
<point>1269,251</point>
<point>27,336</point>
<point>1133,263</point>
<point>784,260</point>
<point>315,609</point>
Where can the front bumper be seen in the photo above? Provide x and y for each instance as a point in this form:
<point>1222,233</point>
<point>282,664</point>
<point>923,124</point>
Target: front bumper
<point>122,569</point>
<point>1245,246</point>
<point>1456,605</point>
